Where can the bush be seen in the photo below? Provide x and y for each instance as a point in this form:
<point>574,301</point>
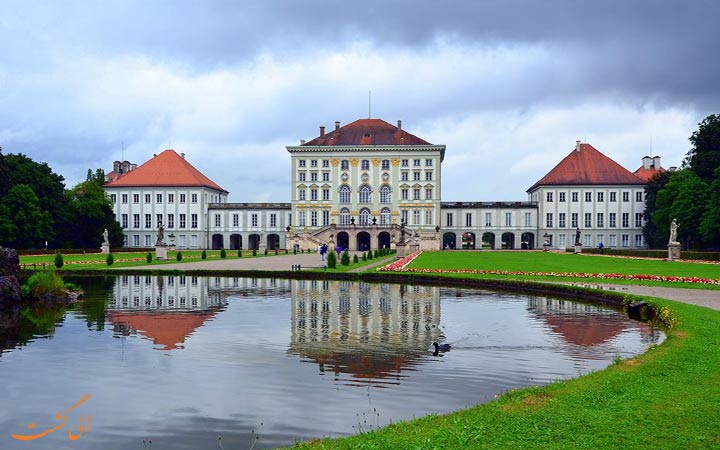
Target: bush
<point>254,252</point>
<point>178,256</point>
<point>345,258</point>
<point>239,253</point>
<point>370,255</point>
<point>331,260</point>
<point>364,257</point>
<point>265,252</point>
<point>148,257</point>
<point>276,252</point>
<point>223,254</point>
<point>203,255</point>
<point>59,262</point>
<point>110,259</point>
<point>376,254</point>
<point>44,282</point>
<point>355,259</point>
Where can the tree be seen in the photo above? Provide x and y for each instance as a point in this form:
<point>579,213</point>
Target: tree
<point>683,198</point>
<point>710,223</point>
<point>22,215</point>
<point>88,212</point>
<point>704,157</point>
<point>652,236</point>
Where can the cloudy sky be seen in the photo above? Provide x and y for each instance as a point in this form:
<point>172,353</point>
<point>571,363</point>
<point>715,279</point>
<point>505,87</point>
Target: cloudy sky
<point>507,85</point>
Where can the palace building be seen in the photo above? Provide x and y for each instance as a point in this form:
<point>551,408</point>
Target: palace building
<point>354,187</point>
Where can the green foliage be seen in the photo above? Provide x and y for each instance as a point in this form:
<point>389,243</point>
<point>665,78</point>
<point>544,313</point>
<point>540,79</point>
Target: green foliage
<point>345,258</point>
<point>59,262</point>
<point>203,255</point>
<point>704,157</point>
<point>684,198</point>
<point>710,222</point>
<point>376,254</point>
<point>331,260</point>
<point>223,255</point>
<point>265,252</point>
<point>148,257</point>
<point>653,238</point>
<point>355,259</point>
<point>22,220</point>
<point>88,211</point>
<point>254,252</point>
<point>364,256</point>
<point>239,253</point>
<point>44,282</point>
<point>178,256</point>
<point>110,259</point>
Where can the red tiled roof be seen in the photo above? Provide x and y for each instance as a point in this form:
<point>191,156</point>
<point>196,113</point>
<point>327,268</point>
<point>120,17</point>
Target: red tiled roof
<point>587,165</point>
<point>646,174</point>
<point>367,132</point>
<point>166,169</point>
<point>585,330</point>
<point>169,329</point>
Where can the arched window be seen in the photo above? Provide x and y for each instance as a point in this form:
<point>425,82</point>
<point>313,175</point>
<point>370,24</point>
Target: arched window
<point>384,193</point>
<point>344,194</point>
<point>365,194</point>
<point>364,216</point>
<point>344,216</point>
<point>385,216</point>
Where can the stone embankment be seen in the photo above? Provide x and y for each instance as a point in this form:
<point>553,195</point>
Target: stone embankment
<point>9,273</point>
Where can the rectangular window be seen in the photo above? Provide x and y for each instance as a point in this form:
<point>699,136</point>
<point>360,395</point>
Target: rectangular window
<point>236,220</point>
<point>217,220</point>
<point>171,198</point>
<point>148,220</point>
<point>404,215</point>
<point>625,220</point>
<point>193,198</point>
<point>587,240</point>
<point>182,241</point>
<point>365,164</point>
<point>136,198</point>
<point>124,198</point>
<point>301,194</point>
<point>574,220</point>
<point>549,220</point>
<point>313,218</point>
<point>313,194</point>
<point>183,223</point>
<point>301,176</point>
<point>528,219</point>
<point>638,196</point>
<point>626,240</point>
<point>326,194</point>
<point>638,220</point>
<point>273,220</point>
<point>404,194</point>
<point>124,221</point>
<point>561,220</point>
<point>600,220</point>
<point>638,240</point>
<point>136,240</point>
<point>416,162</point>
<point>301,218</point>
<point>488,219</point>
<point>313,163</point>
<point>326,217</point>
<point>626,196</point>
<point>113,198</point>
<point>612,220</point>
<point>193,241</point>
<point>562,241</point>
<point>613,196</point>
<point>588,196</point>
<point>508,219</point>
<point>612,240</point>
<point>404,163</point>
<point>428,194</point>
<point>601,239</point>
<point>448,219</point>
<point>428,162</point>
<point>171,221</point>
<point>301,163</point>
<point>313,176</point>
<point>147,198</point>
<point>158,198</point>
<point>193,221</point>
<point>600,196</point>
<point>416,194</point>
<point>588,220</point>
<point>561,198</point>
<point>136,220</point>
<point>326,176</point>
<point>386,164</point>
<point>416,217</point>
<point>574,196</point>
<point>344,164</point>
<point>468,219</point>
<point>182,198</point>
<point>158,219</point>
<point>254,220</point>
<point>428,176</point>
<point>416,176</point>
<point>428,217</point>
<point>549,196</point>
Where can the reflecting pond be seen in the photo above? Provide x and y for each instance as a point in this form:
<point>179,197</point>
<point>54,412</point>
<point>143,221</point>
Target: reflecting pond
<point>183,361</point>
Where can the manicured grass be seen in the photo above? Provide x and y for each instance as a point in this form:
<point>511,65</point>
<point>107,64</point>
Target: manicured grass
<point>666,398</point>
<point>566,262</point>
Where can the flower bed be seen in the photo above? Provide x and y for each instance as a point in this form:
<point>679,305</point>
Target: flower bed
<point>400,264</point>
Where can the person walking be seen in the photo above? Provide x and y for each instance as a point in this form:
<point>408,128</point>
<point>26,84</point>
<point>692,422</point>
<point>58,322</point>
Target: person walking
<point>323,251</point>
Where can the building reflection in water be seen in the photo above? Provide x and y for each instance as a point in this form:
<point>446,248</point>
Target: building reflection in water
<point>371,332</point>
<point>168,309</point>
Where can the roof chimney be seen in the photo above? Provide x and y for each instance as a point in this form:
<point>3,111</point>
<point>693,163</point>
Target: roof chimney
<point>322,131</point>
<point>577,146</point>
<point>302,141</point>
<point>656,162</point>
<point>337,124</point>
<point>646,162</point>
<point>182,155</point>
<point>399,124</point>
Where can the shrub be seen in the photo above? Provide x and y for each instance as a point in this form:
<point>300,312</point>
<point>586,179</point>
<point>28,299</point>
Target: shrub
<point>178,256</point>
<point>239,253</point>
<point>44,282</point>
<point>110,259</point>
<point>276,252</point>
<point>148,257</point>
<point>355,258</point>
<point>223,254</point>
<point>265,252</point>
<point>370,255</point>
<point>59,260</point>
<point>376,254</point>
<point>331,260</point>
<point>364,257</point>
<point>345,258</point>
<point>254,252</point>
<point>203,255</point>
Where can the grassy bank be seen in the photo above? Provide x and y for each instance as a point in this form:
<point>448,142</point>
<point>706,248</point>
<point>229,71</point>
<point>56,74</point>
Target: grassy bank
<point>665,398</point>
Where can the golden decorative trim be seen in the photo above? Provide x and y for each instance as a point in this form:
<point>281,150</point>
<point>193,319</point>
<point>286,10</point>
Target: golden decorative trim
<point>375,162</point>
<point>335,162</point>
<point>354,162</point>
<point>395,162</point>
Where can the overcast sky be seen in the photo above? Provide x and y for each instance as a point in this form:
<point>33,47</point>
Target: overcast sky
<point>507,85</point>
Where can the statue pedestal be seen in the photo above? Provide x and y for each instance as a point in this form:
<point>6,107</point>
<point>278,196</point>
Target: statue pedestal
<point>673,251</point>
<point>401,250</point>
<point>546,247</point>
<point>161,252</point>
<point>578,248</point>
<point>105,248</point>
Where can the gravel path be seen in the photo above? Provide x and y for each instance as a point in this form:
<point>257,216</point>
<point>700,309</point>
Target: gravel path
<point>700,297</point>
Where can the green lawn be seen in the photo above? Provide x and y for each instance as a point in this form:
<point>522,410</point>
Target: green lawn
<point>667,398</point>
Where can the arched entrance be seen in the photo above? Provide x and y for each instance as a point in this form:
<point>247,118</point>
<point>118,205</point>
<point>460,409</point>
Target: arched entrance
<point>343,240</point>
<point>217,242</point>
<point>384,240</point>
<point>449,240</point>
<point>508,241</point>
<point>468,240</point>
<point>489,238</point>
<point>528,241</point>
<point>235,242</point>
<point>254,242</point>
<point>273,241</point>
<point>363,241</point>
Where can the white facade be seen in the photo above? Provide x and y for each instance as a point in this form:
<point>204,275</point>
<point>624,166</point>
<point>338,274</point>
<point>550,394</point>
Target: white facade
<point>250,226</point>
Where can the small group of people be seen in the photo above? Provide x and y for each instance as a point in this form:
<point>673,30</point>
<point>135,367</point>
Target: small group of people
<point>323,249</point>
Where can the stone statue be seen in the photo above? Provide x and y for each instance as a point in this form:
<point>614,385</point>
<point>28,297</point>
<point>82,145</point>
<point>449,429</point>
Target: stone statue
<point>673,232</point>
<point>402,231</point>
<point>577,236</point>
<point>105,236</point>
<point>161,234</point>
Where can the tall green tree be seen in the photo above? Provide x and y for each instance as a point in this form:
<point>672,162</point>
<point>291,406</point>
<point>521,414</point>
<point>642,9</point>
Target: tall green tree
<point>704,157</point>
<point>710,223</point>
<point>21,216</point>
<point>88,212</point>
<point>653,237</point>
<point>684,198</point>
